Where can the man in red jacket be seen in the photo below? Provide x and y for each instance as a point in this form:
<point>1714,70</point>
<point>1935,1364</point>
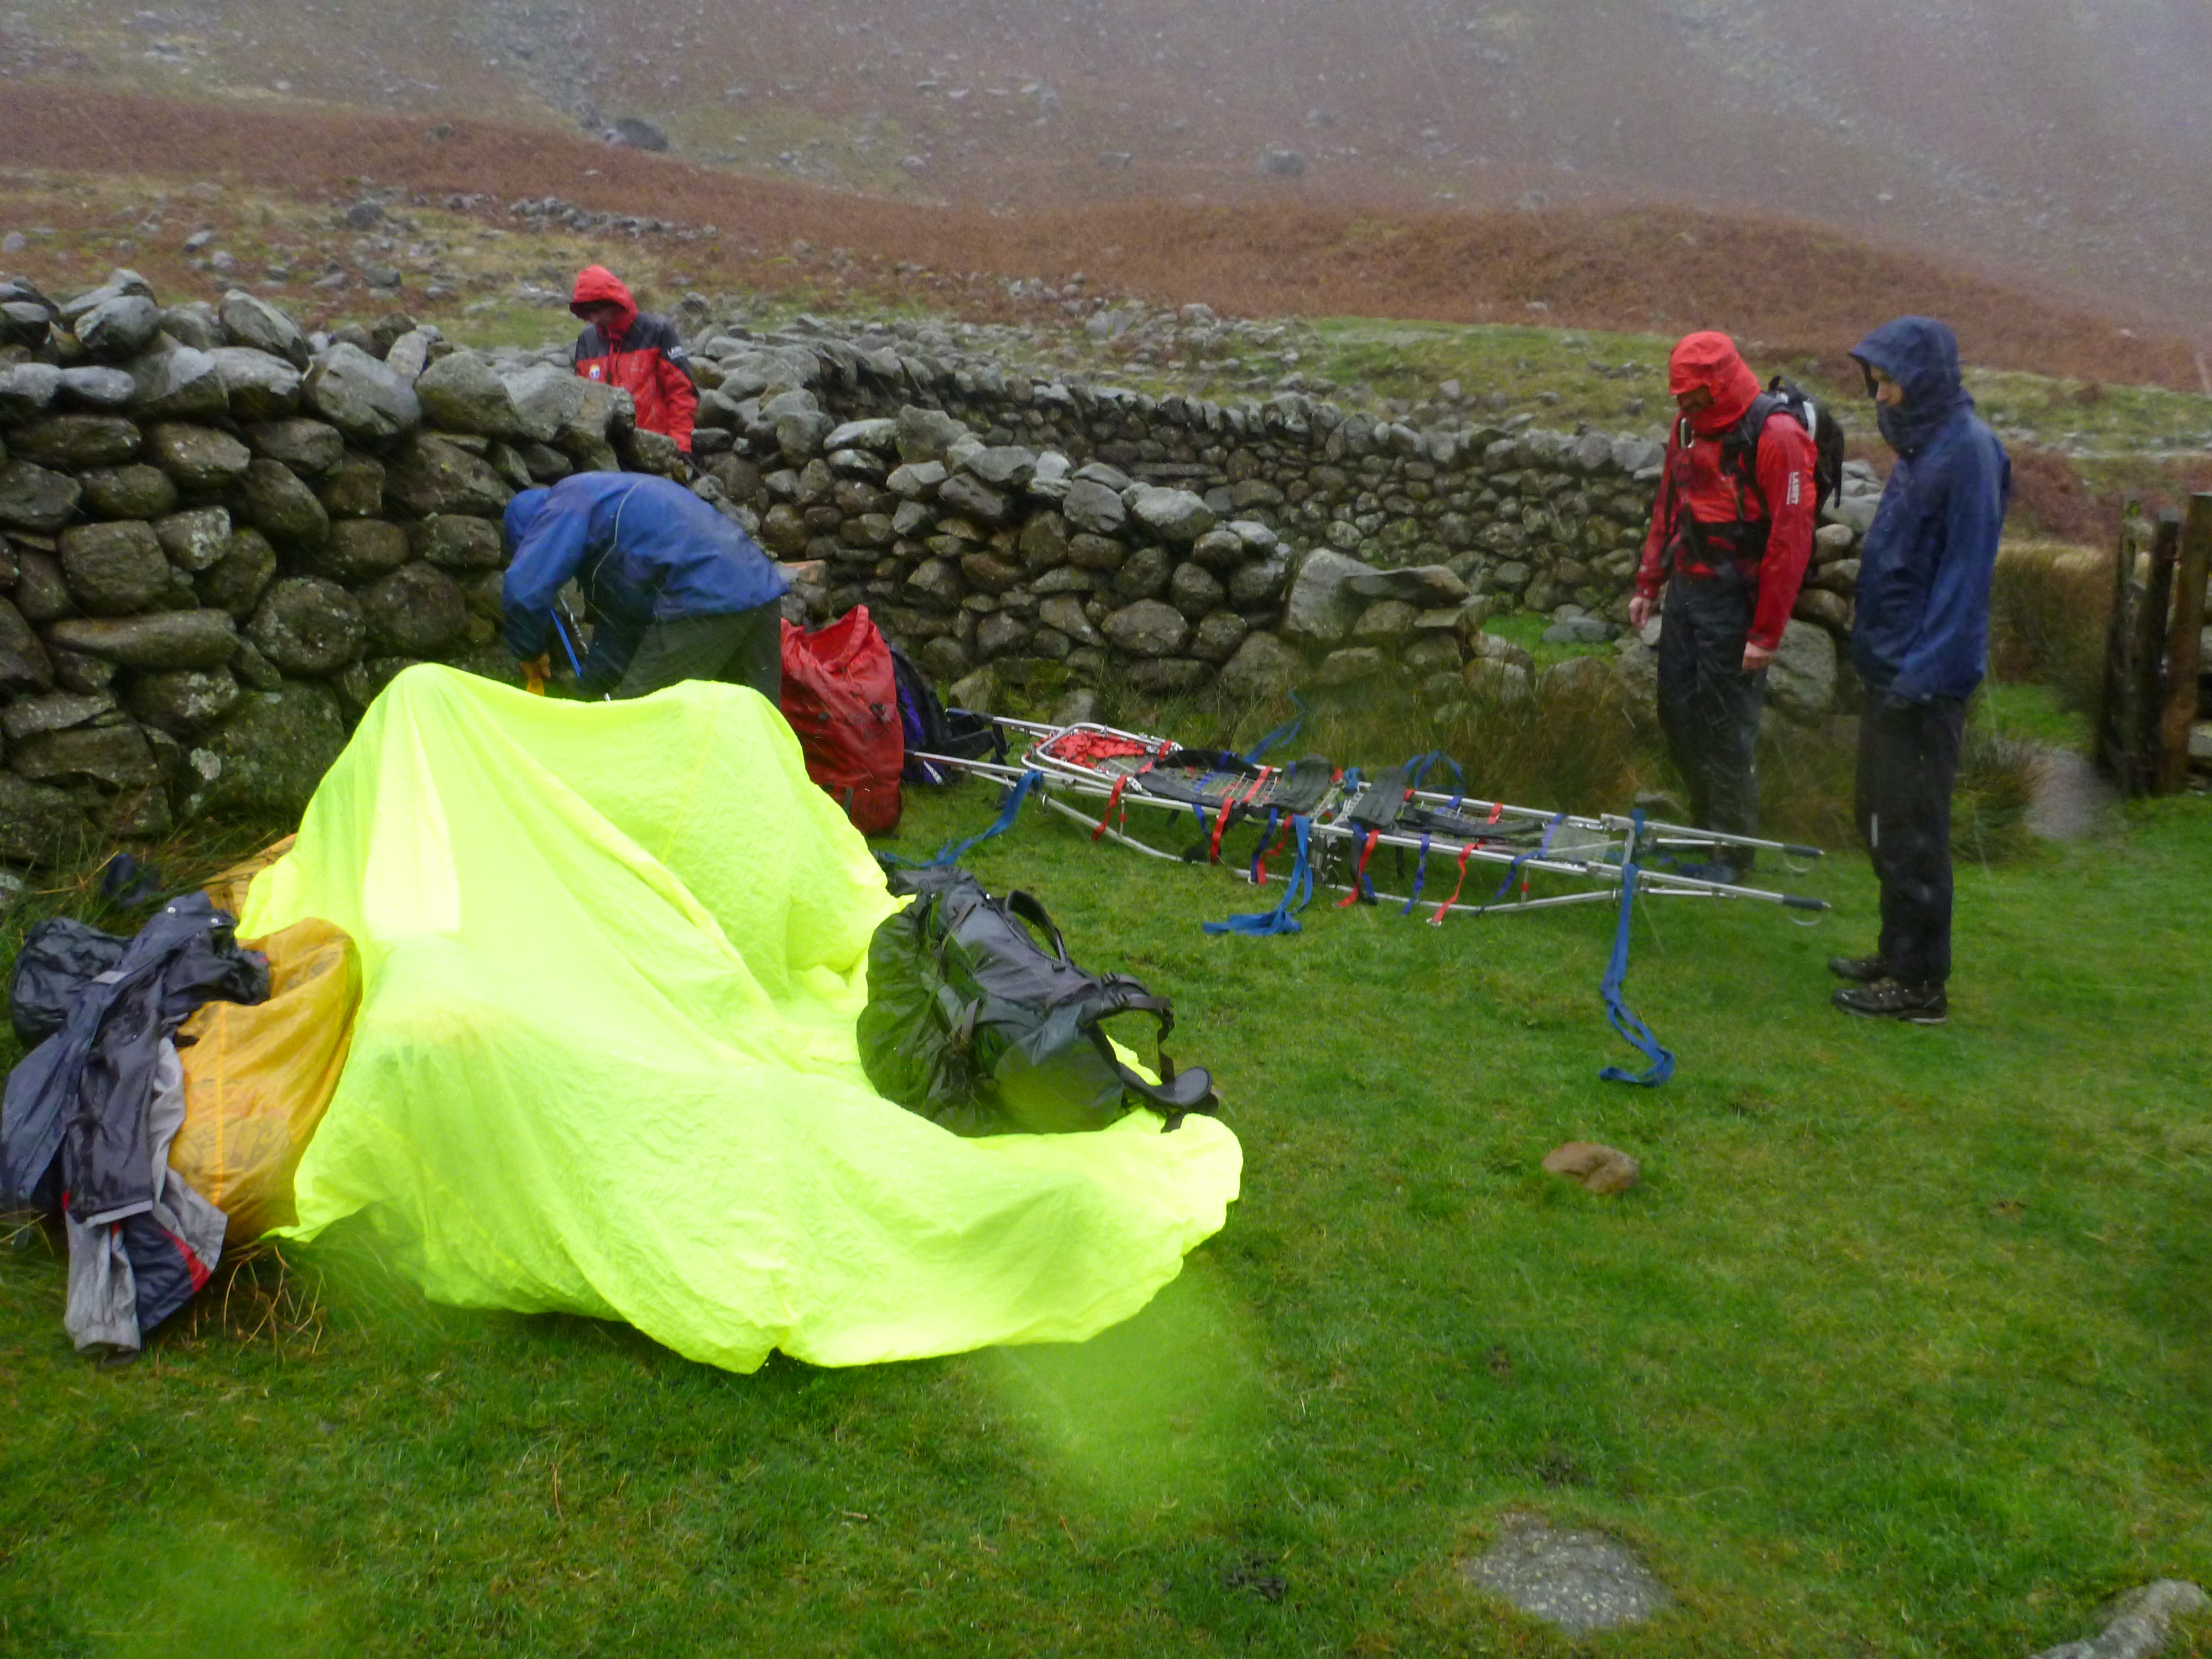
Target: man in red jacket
<point>640,353</point>
<point>1730,534</point>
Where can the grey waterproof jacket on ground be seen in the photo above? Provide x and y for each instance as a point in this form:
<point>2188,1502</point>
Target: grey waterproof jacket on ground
<point>89,1114</point>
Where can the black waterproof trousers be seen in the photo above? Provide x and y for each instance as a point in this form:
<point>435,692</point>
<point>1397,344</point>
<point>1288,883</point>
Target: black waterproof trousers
<point>745,647</point>
<point>1708,706</point>
<point>1908,757</point>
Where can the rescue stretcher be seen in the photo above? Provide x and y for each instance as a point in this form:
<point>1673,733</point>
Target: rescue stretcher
<point>1332,822</point>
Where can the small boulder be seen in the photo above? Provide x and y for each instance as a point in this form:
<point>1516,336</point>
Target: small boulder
<point>34,499</point>
<point>353,489</point>
<point>360,550</point>
<point>966,495</point>
<point>1350,666</point>
<point>1595,1167</point>
<point>28,390</point>
<point>456,541</point>
<point>170,639</point>
<point>76,442</point>
<point>1421,585</point>
<point>307,625</point>
<point>1800,680</point>
<point>235,582</point>
<point>114,569</point>
<point>272,498</point>
<point>1090,508</point>
<point>119,328</point>
<point>1147,629</point>
<point>417,610</point>
<point>431,475</point>
<point>260,387</point>
<point>1322,607</point>
<point>39,825</point>
<point>199,458</point>
<point>1065,611</point>
<point>180,384</point>
<point>136,491</point>
<point>194,540</point>
<point>254,322</point>
<point>182,701</point>
<point>546,398</point>
<point>925,435</point>
<point>310,447</point>
<point>1220,634</point>
<point>1175,516</point>
<point>462,392</point>
<point>25,667</point>
<point>103,390</point>
<point>362,397</point>
<point>273,750</point>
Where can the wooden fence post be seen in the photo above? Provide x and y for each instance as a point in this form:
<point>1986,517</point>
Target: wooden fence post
<point>2114,721</point>
<point>2184,647</point>
<point>2146,696</point>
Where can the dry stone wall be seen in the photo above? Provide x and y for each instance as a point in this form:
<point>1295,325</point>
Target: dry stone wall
<point>224,536</point>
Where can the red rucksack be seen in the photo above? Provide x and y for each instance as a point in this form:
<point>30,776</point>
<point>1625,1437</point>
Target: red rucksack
<point>841,698</point>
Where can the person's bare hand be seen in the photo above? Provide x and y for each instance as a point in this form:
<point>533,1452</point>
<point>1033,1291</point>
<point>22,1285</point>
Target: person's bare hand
<point>1639,613</point>
<point>1755,657</point>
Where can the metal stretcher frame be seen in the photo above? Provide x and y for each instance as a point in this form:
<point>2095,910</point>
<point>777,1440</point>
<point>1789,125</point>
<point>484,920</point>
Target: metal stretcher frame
<point>1526,839</point>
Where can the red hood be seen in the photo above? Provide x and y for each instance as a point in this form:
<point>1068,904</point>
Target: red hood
<point>1711,361</point>
<point>597,285</point>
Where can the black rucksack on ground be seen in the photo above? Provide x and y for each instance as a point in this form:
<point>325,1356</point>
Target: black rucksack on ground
<point>974,1026</point>
<point>931,729</point>
<point>1740,449</point>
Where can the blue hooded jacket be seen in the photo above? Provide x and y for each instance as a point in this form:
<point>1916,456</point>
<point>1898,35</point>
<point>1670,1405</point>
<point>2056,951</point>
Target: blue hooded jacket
<point>1924,589</point>
<point>645,550</point>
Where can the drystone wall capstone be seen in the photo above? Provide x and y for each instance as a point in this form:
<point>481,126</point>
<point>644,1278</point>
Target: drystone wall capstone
<point>223,535</point>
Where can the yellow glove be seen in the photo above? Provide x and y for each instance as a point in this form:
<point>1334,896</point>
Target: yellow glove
<point>534,673</point>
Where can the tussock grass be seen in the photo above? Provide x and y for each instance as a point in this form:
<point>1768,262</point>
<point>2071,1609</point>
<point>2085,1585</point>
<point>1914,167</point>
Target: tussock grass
<point>2049,607</point>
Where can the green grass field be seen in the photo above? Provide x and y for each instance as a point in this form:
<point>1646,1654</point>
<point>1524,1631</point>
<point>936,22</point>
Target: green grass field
<point>1899,1349</point>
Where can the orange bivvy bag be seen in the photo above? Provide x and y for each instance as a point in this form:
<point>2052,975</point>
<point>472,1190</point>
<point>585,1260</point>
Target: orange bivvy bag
<point>841,696</point>
<point>258,1076</point>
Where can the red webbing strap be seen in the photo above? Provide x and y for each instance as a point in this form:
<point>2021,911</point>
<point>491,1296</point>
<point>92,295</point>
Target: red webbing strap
<point>1359,872</point>
<point>1445,909</point>
<point>1121,783</point>
<point>1260,864</point>
<point>1213,849</point>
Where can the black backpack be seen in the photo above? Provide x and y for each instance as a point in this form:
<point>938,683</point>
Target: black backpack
<point>1740,449</point>
<point>931,729</point>
<point>973,1025</point>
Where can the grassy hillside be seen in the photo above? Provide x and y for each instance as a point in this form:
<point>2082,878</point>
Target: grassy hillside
<point>1786,286</point>
<point>2039,140</point>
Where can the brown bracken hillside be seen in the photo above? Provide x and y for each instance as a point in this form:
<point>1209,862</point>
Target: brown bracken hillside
<point>1790,287</point>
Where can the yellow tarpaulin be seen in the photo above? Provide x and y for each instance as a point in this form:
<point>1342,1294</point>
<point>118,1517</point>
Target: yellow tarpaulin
<point>605,1061</point>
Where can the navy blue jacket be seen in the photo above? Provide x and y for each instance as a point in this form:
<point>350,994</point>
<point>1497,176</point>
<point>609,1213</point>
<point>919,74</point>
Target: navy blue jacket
<point>1924,590</point>
<point>644,550</point>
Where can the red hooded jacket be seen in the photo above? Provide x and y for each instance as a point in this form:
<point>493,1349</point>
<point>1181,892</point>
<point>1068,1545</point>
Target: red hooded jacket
<point>1696,485</point>
<point>645,358</point>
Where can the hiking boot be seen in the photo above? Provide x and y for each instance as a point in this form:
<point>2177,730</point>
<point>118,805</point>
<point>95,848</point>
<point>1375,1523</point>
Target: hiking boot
<point>1891,999</point>
<point>1862,971</point>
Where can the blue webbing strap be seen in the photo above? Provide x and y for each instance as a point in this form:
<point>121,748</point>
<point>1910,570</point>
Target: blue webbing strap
<point>1520,858</point>
<point>575,666</point>
<point>1421,875</point>
<point>1281,734</point>
<point>1297,894</point>
<point>1634,1031</point>
<point>1020,793</point>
